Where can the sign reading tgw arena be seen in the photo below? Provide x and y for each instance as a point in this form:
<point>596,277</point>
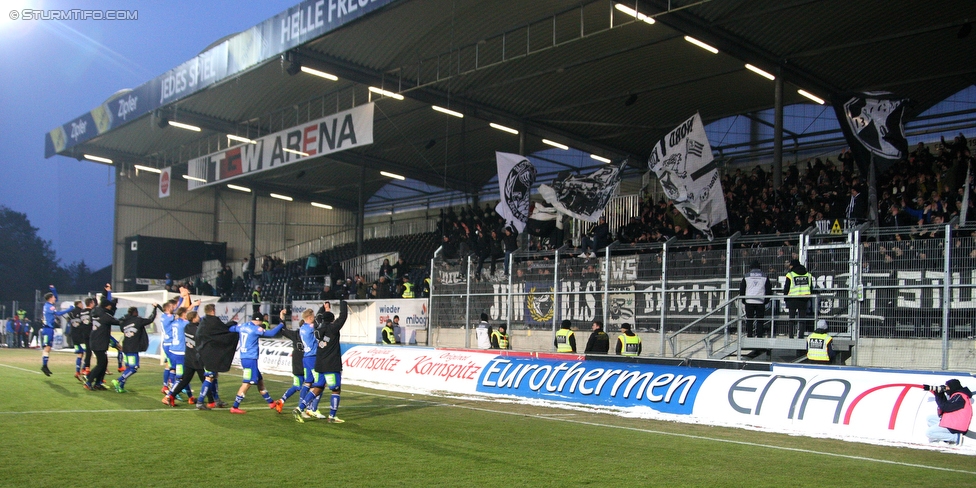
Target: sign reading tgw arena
<point>330,134</point>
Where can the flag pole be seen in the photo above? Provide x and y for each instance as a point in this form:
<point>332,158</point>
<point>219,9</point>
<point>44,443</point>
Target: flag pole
<point>873,192</point>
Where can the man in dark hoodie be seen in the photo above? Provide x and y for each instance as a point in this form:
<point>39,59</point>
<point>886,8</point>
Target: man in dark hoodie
<point>955,412</point>
<point>215,344</point>
<point>328,365</point>
<point>135,340</point>
<point>798,290</point>
<point>102,321</point>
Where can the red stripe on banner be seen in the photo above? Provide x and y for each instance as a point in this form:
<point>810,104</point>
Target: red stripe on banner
<point>894,411</point>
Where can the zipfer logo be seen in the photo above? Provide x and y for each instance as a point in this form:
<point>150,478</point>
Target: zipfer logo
<point>73,14</point>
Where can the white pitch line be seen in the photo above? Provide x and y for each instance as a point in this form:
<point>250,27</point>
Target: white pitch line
<point>22,369</point>
<point>36,412</point>
<point>675,434</point>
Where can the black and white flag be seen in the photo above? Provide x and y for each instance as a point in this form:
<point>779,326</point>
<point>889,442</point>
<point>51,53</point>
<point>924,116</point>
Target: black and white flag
<point>516,175</point>
<point>683,164</point>
<point>584,197</point>
<point>872,124</point>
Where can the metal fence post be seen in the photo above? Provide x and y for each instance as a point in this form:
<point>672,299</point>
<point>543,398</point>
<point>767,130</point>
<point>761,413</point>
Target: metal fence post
<point>511,311</point>
<point>946,302</point>
<point>664,295</point>
<point>606,288</point>
<point>467,306</point>
<point>728,290</point>
<point>555,293</point>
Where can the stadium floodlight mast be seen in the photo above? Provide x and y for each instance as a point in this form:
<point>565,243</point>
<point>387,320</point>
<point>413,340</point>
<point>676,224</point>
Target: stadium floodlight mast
<point>556,144</point>
<point>98,159</point>
<point>765,74</point>
<point>447,111</point>
<point>181,125</point>
<point>322,205</point>
<point>386,93</point>
<point>282,197</point>
<point>702,45</point>
<point>503,128</point>
<point>241,139</point>
<point>239,188</point>
<point>194,178</point>
<point>147,168</point>
<point>601,158</point>
<point>392,175</point>
<point>633,13</point>
<point>811,96</point>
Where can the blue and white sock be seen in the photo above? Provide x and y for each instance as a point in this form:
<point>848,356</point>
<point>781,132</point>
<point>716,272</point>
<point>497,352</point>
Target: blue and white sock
<point>237,400</point>
<point>334,404</point>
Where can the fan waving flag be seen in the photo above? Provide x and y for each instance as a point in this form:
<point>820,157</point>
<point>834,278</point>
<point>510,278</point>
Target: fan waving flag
<point>584,197</point>
<point>516,175</point>
<point>872,124</point>
<point>683,164</point>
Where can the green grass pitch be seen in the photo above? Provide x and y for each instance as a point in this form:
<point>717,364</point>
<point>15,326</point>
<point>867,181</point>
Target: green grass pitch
<point>55,433</point>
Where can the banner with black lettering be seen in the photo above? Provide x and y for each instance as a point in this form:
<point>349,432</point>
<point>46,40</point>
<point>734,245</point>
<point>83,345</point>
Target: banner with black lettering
<point>330,134</point>
<point>873,126</point>
<point>516,175</point>
<point>584,197</point>
<point>683,164</point>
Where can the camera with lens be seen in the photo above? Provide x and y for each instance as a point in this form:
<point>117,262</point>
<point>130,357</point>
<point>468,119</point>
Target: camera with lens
<point>934,388</point>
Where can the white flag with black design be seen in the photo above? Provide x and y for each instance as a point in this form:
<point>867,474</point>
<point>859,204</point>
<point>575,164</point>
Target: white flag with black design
<point>516,175</point>
<point>584,197</point>
<point>683,164</point>
<point>873,125</point>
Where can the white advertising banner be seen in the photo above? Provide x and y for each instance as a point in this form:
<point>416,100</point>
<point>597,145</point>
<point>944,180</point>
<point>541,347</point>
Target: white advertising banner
<point>330,134</point>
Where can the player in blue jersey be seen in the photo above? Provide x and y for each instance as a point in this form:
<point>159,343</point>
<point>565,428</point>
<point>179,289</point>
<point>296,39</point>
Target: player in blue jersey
<point>166,328</point>
<point>177,348</point>
<point>51,314</point>
<point>302,355</point>
<point>249,348</point>
<point>328,365</point>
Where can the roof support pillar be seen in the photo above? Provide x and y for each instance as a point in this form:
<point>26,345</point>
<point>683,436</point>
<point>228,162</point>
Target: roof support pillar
<point>254,231</point>
<point>361,211</point>
<point>778,131</point>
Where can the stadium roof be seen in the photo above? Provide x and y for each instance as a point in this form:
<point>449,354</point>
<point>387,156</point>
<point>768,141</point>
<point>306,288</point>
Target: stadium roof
<point>587,74</point>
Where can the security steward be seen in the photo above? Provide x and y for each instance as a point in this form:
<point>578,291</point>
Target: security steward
<point>565,339</point>
<point>389,336</point>
<point>819,347</point>
<point>628,343</point>
<point>499,338</point>
<point>407,288</point>
<point>256,299</point>
<point>798,290</point>
<point>599,341</point>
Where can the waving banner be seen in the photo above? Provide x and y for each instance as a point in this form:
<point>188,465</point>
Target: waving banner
<point>516,175</point>
<point>683,164</point>
<point>584,197</point>
<point>872,125</point>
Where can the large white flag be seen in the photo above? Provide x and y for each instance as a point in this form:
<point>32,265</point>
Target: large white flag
<point>584,197</point>
<point>516,175</point>
<point>683,163</point>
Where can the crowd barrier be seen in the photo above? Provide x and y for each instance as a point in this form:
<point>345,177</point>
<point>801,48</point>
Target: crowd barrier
<point>854,404</point>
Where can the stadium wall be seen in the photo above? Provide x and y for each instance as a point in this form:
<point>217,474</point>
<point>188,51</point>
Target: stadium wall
<point>855,404</point>
<point>214,214</point>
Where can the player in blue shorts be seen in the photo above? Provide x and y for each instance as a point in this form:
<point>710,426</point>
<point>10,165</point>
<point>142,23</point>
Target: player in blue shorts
<point>167,341</point>
<point>304,346</point>
<point>51,314</point>
<point>328,366</point>
<point>249,348</point>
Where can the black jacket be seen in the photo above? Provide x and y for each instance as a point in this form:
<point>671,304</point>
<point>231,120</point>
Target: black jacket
<point>328,358</point>
<point>297,351</point>
<point>215,344</point>
<point>82,331</point>
<point>191,358</point>
<point>102,322</point>
<point>136,339</point>
<point>599,343</point>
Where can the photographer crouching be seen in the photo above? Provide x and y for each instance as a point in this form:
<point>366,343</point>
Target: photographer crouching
<point>955,409</point>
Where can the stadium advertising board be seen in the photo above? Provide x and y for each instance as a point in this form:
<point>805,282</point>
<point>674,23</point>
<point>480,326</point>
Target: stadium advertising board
<point>333,133</point>
<point>824,402</point>
<point>266,41</point>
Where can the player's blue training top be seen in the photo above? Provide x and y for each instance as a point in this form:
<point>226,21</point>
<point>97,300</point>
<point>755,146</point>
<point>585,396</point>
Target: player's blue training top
<point>309,342</point>
<point>177,341</point>
<point>167,324</point>
<point>50,312</point>
<point>250,333</point>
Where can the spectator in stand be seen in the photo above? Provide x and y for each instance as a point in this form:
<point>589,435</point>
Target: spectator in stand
<point>599,341</point>
<point>327,293</point>
<point>597,238</point>
<point>362,289</point>
<point>511,245</point>
<point>400,268</point>
<point>386,269</point>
